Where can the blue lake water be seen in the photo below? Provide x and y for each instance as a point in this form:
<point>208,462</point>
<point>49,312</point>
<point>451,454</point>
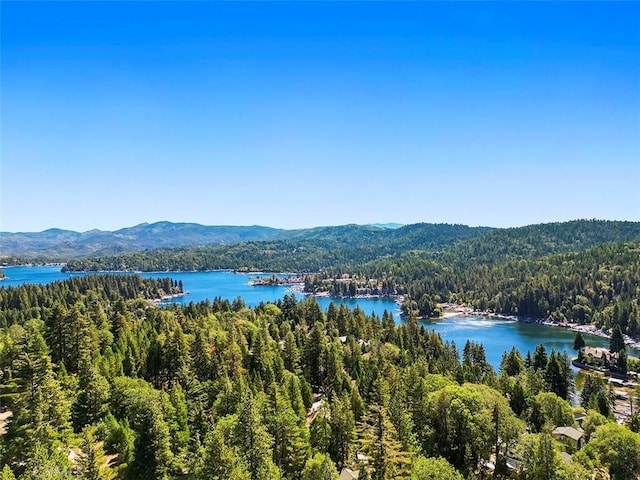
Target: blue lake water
<point>497,335</point>
<point>208,285</point>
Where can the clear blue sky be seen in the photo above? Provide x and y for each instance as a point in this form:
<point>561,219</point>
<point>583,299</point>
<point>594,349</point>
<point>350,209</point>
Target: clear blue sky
<point>304,114</point>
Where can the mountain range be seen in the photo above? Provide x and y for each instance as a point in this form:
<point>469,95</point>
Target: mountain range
<point>360,241</point>
<point>60,243</point>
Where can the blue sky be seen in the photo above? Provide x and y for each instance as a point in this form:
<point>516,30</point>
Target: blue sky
<point>303,114</point>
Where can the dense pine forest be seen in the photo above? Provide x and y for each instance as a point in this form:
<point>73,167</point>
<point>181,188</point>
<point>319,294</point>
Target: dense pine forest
<point>99,382</point>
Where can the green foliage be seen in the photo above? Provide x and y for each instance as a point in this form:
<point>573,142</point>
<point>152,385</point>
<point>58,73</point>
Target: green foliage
<point>619,449</point>
<point>218,390</point>
<point>47,463</point>
<point>555,411</point>
<point>319,467</point>
<point>540,459</point>
<point>433,469</point>
<point>7,473</point>
<point>307,250</point>
<point>578,341</point>
<point>91,462</point>
<point>379,443</point>
<point>220,461</point>
<point>254,441</point>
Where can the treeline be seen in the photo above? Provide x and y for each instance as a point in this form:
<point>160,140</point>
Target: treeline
<point>18,304</point>
<point>351,246</point>
<point>103,385</point>
<point>540,240</point>
<point>310,250</point>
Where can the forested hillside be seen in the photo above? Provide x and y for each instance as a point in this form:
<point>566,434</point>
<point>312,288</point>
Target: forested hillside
<point>349,246</point>
<point>101,383</point>
<point>309,250</point>
<point>538,240</point>
<point>598,285</point>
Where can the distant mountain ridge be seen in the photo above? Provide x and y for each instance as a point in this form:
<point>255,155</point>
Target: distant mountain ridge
<point>330,244</point>
<point>60,243</point>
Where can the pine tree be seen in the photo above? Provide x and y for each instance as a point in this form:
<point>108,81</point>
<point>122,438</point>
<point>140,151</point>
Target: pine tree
<point>320,430</point>
<point>253,440</point>
<point>41,411</point>
<point>44,462</point>
<point>539,358</point>
<point>342,425</point>
<point>291,353</point>
<point>91,463</point>
<point>315,355</point>
<point>219,459</point>
<point>320,467</point>
<point>91,402</point>
<point>616,342</point>
<point>289,433</point>
<point>379,440</point>
<point>578,341</point>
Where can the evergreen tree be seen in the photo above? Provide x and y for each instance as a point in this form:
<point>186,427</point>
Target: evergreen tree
<point>379,440</point>
<point>616,342</point>
<point>7,473</point>
<point>219,459</point>
<point>289,433</point>
<point>315,355</point>
<point>91,462</point>
<point>319,467</point>
<point>91,402</point>
<point>512,362</point>
<point>578,341</point>
<point>46,463</point>
<point>41,411</point>
<point>540,459</point>
<point>253,440</point>
<point>621,363</point>
<point>320,431</point>
<point>540,358</point>
<point>557,376</point>
<point>342,424</point>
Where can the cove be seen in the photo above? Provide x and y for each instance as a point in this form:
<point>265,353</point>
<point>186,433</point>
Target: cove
<point>500,335</point>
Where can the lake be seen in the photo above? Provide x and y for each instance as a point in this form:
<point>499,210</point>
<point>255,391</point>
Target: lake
<point>497,335</point>
<point>208,285</point>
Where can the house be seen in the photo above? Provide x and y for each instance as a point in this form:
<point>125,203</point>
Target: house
<point>570,435</point>
<point>596,356</point>
<point>348,474</point>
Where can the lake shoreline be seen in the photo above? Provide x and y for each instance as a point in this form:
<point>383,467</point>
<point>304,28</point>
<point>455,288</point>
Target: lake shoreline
<point>454,310</point>
<point>299,288</point>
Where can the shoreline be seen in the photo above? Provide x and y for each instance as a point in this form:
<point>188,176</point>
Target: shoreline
<point>452,310</point>
<point>296,288</point>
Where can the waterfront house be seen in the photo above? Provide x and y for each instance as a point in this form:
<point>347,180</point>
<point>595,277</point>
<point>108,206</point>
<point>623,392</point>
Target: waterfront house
<point>596,356</point>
